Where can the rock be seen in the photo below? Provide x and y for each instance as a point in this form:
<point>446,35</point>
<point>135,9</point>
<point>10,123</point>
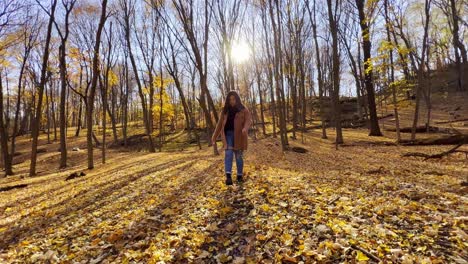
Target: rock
<point>72,176</point>
<point>76,149</point>
<point>299,150</point>
<point>75,175</point>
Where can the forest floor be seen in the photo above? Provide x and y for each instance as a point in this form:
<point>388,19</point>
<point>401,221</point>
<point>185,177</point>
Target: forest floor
<point>361,203</point>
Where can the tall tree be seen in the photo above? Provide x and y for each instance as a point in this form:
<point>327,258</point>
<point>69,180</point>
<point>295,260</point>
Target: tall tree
<point>275,18</point>
<point>199,56</point>
<point>94,82</point>
<point>368,78</point>
<point>30,34</point>
<point>4,134</point>
<point>128,12</point>
<point>335,93</point>
<point>388,28</point>
<point>36,122</point>
<point>421,67</point>
<point>459,47</point>
<point>318,63</point>
<point>68,6</point>
<point>170,54</point>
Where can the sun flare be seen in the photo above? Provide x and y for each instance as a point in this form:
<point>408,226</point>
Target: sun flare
<point>240,52</point>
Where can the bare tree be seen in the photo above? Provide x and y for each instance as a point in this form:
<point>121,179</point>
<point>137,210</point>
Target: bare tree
<point>392,70</point>
<point>275,18</point>
<point>68,6</point>
<point>368,79</point>
<point>29,37</point>
<point>335,93</point>
<point>38,111</point>
<point>128,12</point>
<point>94,82</point>
<point>318,63</point>
<point>421,67</point>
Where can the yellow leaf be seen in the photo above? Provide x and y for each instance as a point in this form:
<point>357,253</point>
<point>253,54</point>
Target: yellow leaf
<point>223,258</point>
<point>226,210</point>
<point>361,256</point>
<point>95,241</point>
<point>287,239</point>
<point>117,235</point>
<point>265,207</point>
<point>95,232</point>
<point>168,211</point>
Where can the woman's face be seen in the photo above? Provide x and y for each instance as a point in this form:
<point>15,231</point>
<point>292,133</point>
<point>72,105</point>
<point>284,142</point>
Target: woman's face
<point>232,100</point>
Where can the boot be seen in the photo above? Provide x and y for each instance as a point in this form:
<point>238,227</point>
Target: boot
<point>240,179</point>
<point>228,179</point>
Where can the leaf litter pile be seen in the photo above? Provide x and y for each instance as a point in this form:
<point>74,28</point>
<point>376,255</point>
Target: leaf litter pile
<point>357,204</point>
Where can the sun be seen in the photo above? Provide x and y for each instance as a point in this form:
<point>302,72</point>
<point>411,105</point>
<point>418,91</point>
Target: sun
<point>240,52</point>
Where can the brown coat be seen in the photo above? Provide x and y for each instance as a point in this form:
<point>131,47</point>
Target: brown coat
<point>241,120</point>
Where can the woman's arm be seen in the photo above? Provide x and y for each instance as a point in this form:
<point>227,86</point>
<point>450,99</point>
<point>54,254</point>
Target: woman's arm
<point>218,127</point>
<point>248,121</point>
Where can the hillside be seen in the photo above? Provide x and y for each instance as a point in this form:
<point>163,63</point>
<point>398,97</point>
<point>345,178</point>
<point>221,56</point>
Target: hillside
<point>358,203</point>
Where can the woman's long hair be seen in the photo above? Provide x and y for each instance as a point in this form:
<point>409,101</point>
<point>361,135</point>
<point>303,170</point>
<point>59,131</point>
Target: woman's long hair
<point>239,106</point>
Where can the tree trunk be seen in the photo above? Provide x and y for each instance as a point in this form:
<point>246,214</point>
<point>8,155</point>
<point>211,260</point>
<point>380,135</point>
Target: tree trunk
<point>458,46</point>
<point>63,94</point>
<point>312,16</point>
<point>18,104</point>
<point>7,161</point>
<point>92,90</point>
<point>420,87</point>
<point>269,73</point>
<point>146,120</point>
<point>104,118</point>
<point>335,73</point>
<point>36,122</point>
<point>368,81</point>
<point>279,73</point>
<point>392,73</point>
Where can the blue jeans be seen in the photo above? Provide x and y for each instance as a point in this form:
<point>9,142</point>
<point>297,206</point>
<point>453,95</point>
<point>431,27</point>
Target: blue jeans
<point>229,155</point>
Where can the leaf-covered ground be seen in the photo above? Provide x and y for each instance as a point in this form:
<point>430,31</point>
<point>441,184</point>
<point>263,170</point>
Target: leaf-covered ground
<point>360,203</point>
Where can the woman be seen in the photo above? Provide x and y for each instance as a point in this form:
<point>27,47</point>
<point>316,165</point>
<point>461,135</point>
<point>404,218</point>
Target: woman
<point>233,125</point>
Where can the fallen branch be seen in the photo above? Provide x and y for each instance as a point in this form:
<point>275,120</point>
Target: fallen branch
<point>75,175</point>
<point>305,129</point>
<point>419,129</point>
<point>451,121</point>
<point>19,186</point>
<point>450,140</point>
<point>364,143</point>
<point>386,116</point>
<point>334,200</point>
<point>369,254</point>
<point>433,156</point>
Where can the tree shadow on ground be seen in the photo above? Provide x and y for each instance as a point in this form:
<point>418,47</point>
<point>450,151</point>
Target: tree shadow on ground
<point>234,234</point>
<point>18,230</point>
<point>62,186</point>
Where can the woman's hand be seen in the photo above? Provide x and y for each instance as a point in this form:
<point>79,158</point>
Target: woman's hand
<point>213,142</point>
<point>244,131</point>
